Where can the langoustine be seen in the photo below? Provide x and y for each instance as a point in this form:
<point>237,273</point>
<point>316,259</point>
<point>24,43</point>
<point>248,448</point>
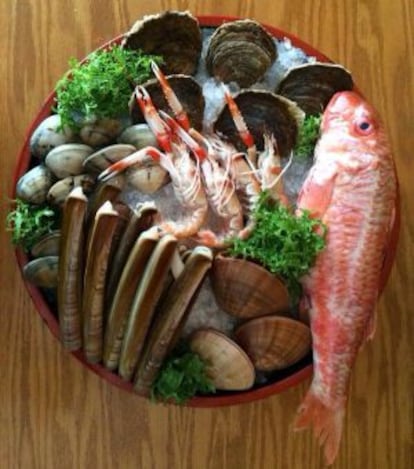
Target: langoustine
<point>352,188</point>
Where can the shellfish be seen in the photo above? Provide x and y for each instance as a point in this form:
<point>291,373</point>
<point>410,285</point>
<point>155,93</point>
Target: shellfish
<point>34,185</point>
<point>67,159</point>
<point>43,271</point>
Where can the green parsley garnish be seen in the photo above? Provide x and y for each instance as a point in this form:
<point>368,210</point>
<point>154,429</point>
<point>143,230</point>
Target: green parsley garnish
<point>308,135</point>
<point>285,244</point>
<point>102,86</point>
<point>183,374</point>
<point>28,223</point>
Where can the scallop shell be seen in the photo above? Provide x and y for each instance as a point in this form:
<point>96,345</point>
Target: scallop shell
<point>60,190</point>
<point>47,245</point>
<point>263,112</point>
<point>138,135</point>
<point>274,342</point>
<point>227,365</point>
<point>43,271</point>
<point>34,185</point>
<point>174,35</point>
<point>50,134</point>
<point>312,85</point>
<point>240,51</point>
<point>67,160</point>
<point>246,290</point>
<point>188,92</point>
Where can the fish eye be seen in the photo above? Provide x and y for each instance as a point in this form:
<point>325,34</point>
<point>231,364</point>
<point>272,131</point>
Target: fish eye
<point>363,127</point>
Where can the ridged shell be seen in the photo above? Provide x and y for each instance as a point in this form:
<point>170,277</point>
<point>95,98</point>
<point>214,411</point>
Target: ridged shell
<point>48,245</point>
<point>263,112</point>
<point>48,135</point>
<point>273,342</point>
<point>34,185</point>
<point>311,86</point>
<point>246,290</point>
<point>60,190</point>
<point>174,35</point>
<point>67,160</point>
<point>43,271</point>
<point>240,51</point>
<point>138,135</point>
<point>188,92</point>
<point>227,364</point>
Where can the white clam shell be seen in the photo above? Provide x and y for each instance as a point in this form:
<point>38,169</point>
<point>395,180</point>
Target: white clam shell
<point>60,190</point>
<point>34,185</point>
<point>139,135</point>
<point>67,160</point>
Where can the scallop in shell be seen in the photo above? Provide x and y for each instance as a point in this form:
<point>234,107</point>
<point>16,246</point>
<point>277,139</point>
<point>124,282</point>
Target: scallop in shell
<point>246,290</point>
<point>34,185</point>
<point>67,160</point>
<point>274,342</point>
<point>240,51</point>
<point>312,85</point>
<point>264,113</point>
<point>227,365</point>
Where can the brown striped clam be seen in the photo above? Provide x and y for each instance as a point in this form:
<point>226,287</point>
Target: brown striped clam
<point>101,132</point>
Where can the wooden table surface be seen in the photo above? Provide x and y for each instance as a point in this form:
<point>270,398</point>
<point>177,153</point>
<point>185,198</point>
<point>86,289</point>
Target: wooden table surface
<point>56,414</point>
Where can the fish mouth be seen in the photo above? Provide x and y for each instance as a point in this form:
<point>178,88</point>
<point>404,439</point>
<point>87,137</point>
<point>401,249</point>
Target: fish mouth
<point>342,105</point>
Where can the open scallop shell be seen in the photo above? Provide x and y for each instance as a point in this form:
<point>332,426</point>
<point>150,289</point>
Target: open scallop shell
<point>274,342</point>
<point>246,290</point>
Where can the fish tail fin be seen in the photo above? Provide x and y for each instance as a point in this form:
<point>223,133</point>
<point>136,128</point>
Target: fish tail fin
<point>327,423</point>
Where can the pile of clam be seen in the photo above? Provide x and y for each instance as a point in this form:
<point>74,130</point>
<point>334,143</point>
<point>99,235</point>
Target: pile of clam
<point>125,290</point>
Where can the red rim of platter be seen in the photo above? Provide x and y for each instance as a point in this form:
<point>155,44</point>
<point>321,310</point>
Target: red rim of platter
<point>208,401</point>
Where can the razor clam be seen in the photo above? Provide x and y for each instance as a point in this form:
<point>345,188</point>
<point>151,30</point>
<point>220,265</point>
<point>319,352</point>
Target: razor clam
<point>110,190</point>
<point>97,258</point>
<point>34,185</point>
<point>48,245</point>
<point>60,190</point>
<point>174,35</point>
<point>67,160</point>
<point>50,134</point>
<point>42,272</point>
<point>170,317</point>
<point>138,135</point>
<point>143,307</point>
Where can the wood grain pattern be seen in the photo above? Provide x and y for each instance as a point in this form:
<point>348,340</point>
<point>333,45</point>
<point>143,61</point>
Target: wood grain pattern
<point>55,413</point>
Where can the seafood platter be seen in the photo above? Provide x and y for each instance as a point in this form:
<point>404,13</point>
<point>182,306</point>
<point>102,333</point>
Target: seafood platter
<point>180,227</point>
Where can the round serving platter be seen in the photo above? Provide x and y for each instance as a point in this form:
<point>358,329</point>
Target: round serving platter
<point>280,381</point>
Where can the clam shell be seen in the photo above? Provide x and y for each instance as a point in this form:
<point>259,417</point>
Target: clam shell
<point>67,160</point>
<point>34,185</point>
<point>263,112</point>
<point>174,35</point>
<point>60,190</point>
<point>188,92</point>
<point>273,342</point>
<point>43,271</point>
<point>240,51</point>
<point>312,85</point>
<point>103,158</point>
<point>50,134</point>
<point>138,135</point>
<point>102,131</point>
<point>227,365</point>
<point>48,245</point>
<point>246,290</point>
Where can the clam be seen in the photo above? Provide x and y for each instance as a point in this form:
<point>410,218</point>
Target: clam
<point>60,190</point>
<point>67,160</point>
<point>312,85</point>
<point>138,135</point>
<point>188,92</point>
<point>50,134</point>
<point>48,245</point>
<point>102,131</point>
<point>34,185</point>
<point>264,113</point>
<point>174,35</point>
<point>43,271</point>
<point>246,290</point>
<point>103,158</point>
<point>274,342</point>
<point>240,51</point>
<point>227,365</point>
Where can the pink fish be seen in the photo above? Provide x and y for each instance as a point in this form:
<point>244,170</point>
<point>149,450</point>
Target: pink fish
<point>352,188</point>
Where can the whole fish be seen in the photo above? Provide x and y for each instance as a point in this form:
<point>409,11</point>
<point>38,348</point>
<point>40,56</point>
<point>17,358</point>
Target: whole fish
<point>352,188</point>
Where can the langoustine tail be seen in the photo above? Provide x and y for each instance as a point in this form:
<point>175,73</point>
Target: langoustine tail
<point>327,423</point>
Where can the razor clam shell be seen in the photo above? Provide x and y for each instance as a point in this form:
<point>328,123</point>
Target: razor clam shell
<point>42,272</point>
<point>143,307</point>
<point>60,190</point>
<point>34,185</point>
<point>67,160</point>
<point>174,35</point>
<point>227,365</point>
<point>97,259</point>
<point>110,190</point>
<point>50,134</point>
<point>138,135</point>
<point>47,245</point>
<point>170,317</point>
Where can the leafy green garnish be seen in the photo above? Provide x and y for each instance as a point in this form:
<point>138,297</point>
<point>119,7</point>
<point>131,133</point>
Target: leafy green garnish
<point>102,86</point>
<point>28,223</point>
<point>182,375</point>
<point>281,242</point>
<point>308,135</point>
